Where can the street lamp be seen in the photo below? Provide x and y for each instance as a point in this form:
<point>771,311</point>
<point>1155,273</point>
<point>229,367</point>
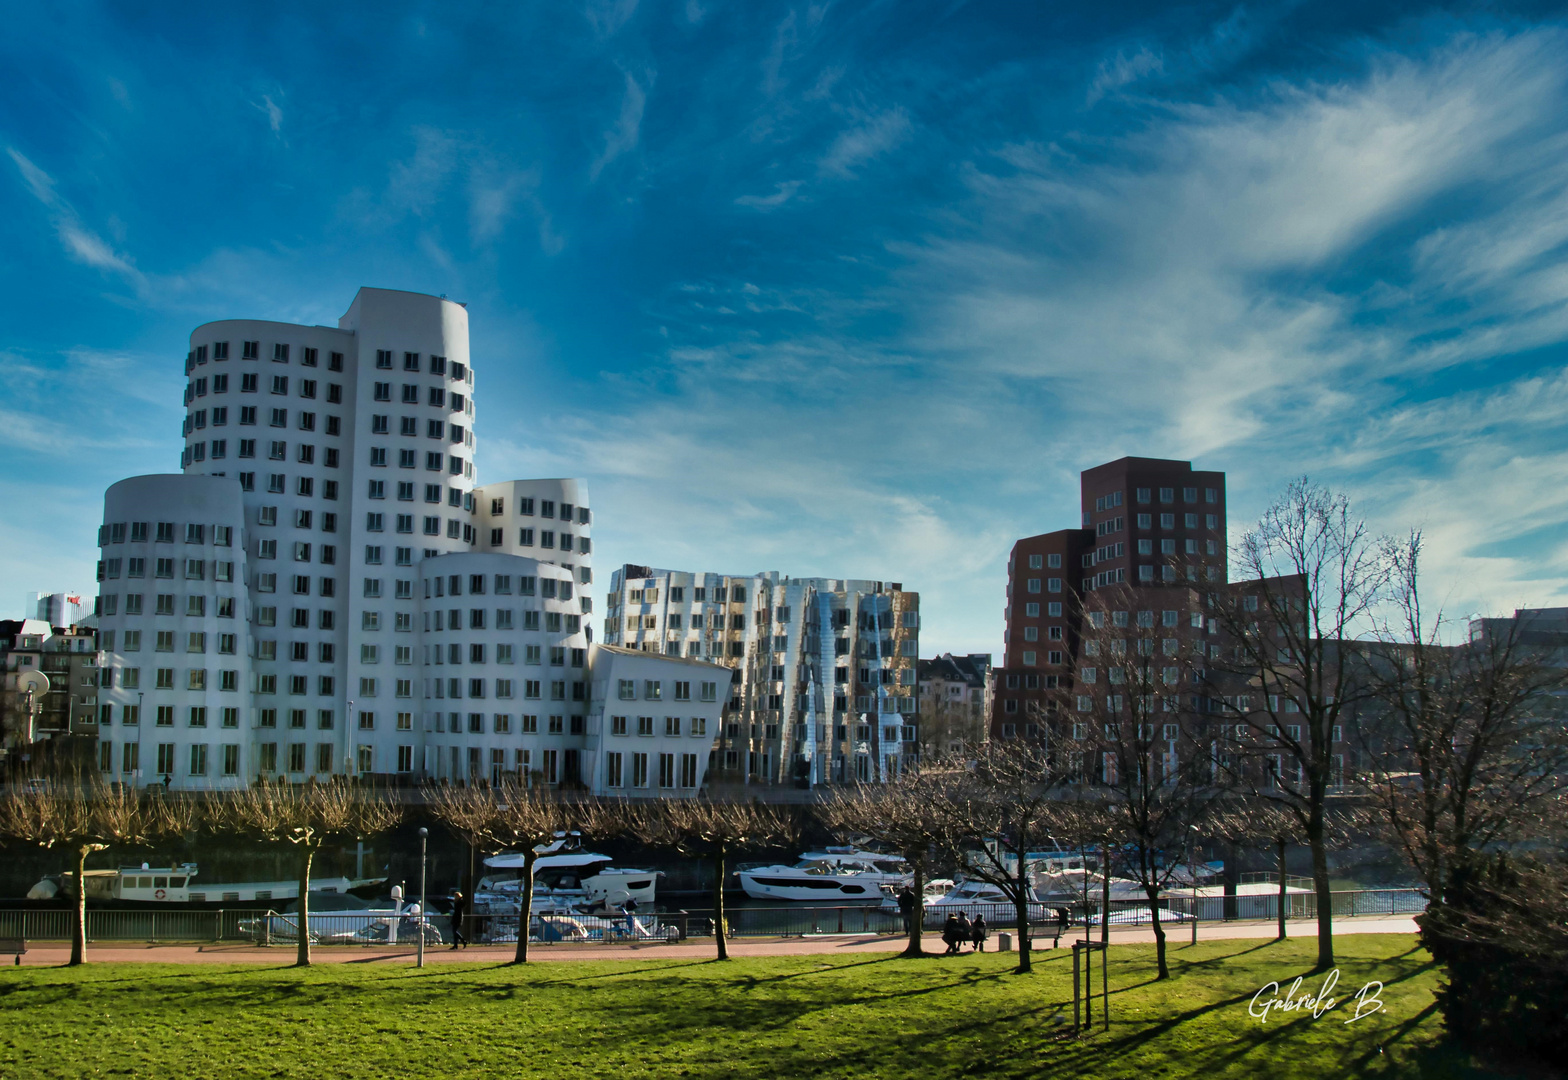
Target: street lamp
<point>419,926</point>
<point>1192,868</point>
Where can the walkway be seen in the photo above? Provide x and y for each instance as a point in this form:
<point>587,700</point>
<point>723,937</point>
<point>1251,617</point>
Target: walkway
<point>47,953</point>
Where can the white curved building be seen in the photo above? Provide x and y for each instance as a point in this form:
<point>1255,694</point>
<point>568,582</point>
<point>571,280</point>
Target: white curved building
<point>304,599</point>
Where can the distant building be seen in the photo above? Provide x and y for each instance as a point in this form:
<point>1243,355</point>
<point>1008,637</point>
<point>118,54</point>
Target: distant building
<point>955,704</point>
<point>1153,527</point>
<point>824,668</point>
<point>60,608</point>
<point>69,658</point>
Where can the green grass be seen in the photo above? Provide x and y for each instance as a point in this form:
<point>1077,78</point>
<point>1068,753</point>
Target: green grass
<point>861,1016</point>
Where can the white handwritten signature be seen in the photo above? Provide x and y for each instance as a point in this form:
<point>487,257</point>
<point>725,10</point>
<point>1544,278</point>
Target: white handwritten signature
<point>1366,999</point>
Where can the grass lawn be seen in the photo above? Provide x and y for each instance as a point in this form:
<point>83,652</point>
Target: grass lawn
<point>794,1017</point>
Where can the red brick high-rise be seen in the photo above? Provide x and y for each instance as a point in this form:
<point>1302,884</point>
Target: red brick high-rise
<point>1154,529</point>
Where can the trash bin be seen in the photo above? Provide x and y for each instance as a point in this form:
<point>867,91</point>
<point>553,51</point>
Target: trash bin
<point>1004,942</point>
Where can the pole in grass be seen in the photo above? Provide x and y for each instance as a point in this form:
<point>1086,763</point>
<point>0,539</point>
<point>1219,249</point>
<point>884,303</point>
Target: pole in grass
<point>424,835</point>
<point>1192,868</point>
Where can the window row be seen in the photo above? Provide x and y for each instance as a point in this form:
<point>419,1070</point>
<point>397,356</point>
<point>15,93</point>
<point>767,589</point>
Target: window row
<point>115,532</point>
<point>436,398</point>
<point>403,524</point>
<point>502,689</point>
<point>668,777</point>
<point>438,365</point>
<point>455,497</point>
<point>547,509</point>
<point>434,429</point>
<point>199,758</point>
<point>251,350</point>
<point>554,622</point>
<point>166,569</point>
<point>653,690</point>
<point>277,484</point>
<point>546,539</point>
<point>250,383</point>
<point>673,725</point>
<point>434,461</point>
<point>505,653</point>
<point>501,724</point>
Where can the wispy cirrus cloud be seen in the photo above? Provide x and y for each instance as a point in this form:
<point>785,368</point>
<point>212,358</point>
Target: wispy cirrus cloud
<point>80,241</point>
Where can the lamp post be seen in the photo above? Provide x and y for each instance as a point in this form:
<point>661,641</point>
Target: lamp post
<point>1192,868</point>
<point>419,927</point>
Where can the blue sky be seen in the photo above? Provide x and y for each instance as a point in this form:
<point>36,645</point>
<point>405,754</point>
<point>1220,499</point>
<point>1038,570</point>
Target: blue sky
<point>844,289</point>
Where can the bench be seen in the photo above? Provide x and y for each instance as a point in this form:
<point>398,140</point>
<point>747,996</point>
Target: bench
<point>13,947</point>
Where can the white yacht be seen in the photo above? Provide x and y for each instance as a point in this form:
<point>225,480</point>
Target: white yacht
<point>975,898</point>
<point>565,878</point>
<point>830,876</point>
<point>146,884</point>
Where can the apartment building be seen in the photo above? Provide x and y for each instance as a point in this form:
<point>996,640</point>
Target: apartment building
<point>1149,528</point>
<point>955,704</point>
<point>823,686</point>
<point>68,657</point>
<point>324,589</point>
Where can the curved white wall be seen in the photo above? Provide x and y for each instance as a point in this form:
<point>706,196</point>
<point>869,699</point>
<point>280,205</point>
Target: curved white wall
<point>173,603</point>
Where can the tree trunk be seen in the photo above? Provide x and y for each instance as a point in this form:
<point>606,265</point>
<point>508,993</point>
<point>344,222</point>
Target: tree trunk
<point>1021,899</point>
<point>525,912</point>
<point>307,853</point>
<point>718,903</point>
<point>79,931</point>
<point>1159,932</point>
<point>1283,895</point>
<point>1105,896</point>
<point>1316,837</point>
<point>914,947</point>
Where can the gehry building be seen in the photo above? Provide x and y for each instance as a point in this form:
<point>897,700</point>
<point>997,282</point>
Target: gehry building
<point>325,589</point>
<point>823,687</point>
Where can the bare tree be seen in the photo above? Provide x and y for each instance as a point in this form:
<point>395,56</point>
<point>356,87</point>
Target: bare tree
<point>1008,807</point>
<point>511,815</point>
<point>1307,581</point>
<point>86,816</point>
<point>306,816</point>
<point>715,831</point>
<point>908,815</point>
<point>1464,750</point>
<point>1141,752</point>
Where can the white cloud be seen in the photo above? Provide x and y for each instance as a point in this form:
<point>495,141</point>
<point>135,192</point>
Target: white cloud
<point>79,241</point>
<point>783,192</point>
<point>872,137</point>
<point>608,16</point>
<point>273,111</point>
<point>1123,70</point>
<point>623,136</point>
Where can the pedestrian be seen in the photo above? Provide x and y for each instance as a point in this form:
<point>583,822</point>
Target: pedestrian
<point>963,928</point>
<point>950,934</point>
<point>630,909</point>
<point>906,907</point>
<point>978,932</point>
<point>459,913</point>
<point>1062,919</point>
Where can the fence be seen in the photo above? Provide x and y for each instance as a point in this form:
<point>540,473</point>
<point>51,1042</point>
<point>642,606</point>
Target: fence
<point>331,928</point>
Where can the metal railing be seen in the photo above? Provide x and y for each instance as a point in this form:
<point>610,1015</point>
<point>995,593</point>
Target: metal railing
<point>250,926</point>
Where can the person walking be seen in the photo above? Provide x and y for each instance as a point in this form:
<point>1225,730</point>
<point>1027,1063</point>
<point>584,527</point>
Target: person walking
<point>950,934</point>
<point>459,913</point>
<point>978,932</point>
<point>1062,919</point>
<point>906,907</point>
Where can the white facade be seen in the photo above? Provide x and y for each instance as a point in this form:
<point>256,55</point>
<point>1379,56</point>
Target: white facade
<point>824,668</point>
<point>325,590</point>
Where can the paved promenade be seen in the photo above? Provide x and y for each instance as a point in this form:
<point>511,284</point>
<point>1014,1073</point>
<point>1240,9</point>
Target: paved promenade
<point>47,953</point>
